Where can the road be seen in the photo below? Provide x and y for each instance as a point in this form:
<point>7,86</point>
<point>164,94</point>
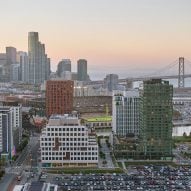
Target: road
<point>27,160</point>
<point>7,181</point>
<point>104,148</point>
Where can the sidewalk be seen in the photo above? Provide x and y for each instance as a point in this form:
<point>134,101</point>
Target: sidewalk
<point>7,181</point>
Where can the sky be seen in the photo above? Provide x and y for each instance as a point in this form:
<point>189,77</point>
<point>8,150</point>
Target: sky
<point>126,37</point>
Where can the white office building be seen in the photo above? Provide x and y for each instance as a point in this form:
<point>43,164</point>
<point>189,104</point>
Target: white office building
<point>66,143</point>
<point>125,115</point>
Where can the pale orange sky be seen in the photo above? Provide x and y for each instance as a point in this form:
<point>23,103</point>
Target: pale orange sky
<point>113,35</point>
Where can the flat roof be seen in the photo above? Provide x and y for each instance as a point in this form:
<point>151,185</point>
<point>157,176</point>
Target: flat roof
<point>99,119</point>
<point>36,186</point>
<point>18,188</point>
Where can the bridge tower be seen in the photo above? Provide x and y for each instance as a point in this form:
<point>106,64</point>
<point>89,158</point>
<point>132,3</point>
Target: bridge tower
<point>181,73</point>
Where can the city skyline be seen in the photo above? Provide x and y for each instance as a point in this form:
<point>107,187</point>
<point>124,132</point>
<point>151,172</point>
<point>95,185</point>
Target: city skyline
<point>121,36</point>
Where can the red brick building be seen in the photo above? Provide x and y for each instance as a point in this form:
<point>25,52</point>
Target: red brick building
<point>59,97</point>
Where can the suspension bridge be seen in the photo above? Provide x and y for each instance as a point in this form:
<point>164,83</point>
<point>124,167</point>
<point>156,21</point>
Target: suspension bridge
<point>179,64</point>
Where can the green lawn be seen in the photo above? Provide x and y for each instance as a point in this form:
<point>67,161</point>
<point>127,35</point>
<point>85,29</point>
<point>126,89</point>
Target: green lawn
<point>139,163</point>
<point>182,139</point>
<point>99,119</point>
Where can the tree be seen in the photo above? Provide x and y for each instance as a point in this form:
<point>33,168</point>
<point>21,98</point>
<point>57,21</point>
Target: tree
<point>184,134</point>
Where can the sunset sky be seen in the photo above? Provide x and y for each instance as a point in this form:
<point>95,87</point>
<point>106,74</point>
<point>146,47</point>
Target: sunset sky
<point>115,36</point>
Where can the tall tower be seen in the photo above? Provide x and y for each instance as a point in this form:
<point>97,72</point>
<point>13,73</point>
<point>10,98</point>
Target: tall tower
<point>111,82</point>
<point>38,61</point>
<point>156,110</point>
<point>82,70</point>
<point>11,59</point>
<point>181,73</point>
<point>63,66</point>
<point>22,59</point>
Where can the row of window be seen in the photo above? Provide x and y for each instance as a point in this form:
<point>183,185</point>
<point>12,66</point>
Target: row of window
<point>65,144</point>
<point>69,148</point>
<point>72,158</point>
<point>65,134</point>
<point>75,153</point>
<point>65,139</point>
<point>65,129</point>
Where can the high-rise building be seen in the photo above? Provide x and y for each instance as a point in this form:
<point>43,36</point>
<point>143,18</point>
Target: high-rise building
<point>15,72</point>
<point>3,67</point>
<point>59,97</point>
<point>22,59</point>
<point>82,70</point>
<point>111,82</point>
<point>10,129</point>
<point>156,119</point>
<point>11,53</point>
<point>39,64</point>
<point>48,70</point>
<point>67,143</point>
<point>63,66</point>
<point>126,113</point>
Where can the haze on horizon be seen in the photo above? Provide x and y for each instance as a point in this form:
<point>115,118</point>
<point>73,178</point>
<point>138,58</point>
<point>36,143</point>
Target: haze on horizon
<point>115,36</point>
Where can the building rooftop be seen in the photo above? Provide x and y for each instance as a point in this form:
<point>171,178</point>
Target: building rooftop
<point>36,186</point>
<point>99,119</point>
<point>66,119</point>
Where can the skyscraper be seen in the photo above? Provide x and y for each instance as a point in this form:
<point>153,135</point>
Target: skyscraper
<point>15,72</point>
<point>156,119</point>
<point>22,59</point>
<point>11,53</point>
<point>59,97</point>
<point>63,66</point>
<point>38,61</point>
<point>126,113</point>
<point>3,67</point>
<point>111,82</point>
<point>82,70</point>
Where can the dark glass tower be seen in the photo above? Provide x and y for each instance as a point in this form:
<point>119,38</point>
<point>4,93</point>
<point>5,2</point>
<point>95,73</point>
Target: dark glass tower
<point>156,119</point>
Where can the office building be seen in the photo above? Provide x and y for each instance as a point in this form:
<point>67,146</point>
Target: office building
<point>156,119</point>
<point>3,67</point>
<point>66,75</point>
<point>11,53</point>
<point>39,64</point>
<point>125,115</point>
<point>82,70</point>
<point>63,66</point>
<point>22,59</point>
<point>59,97</point>
<point>111,82</point>
<point>15,72</point>
<point>10,129</point>
<point>47,68</point>
<point>11,59</point>
<point>66,143</point>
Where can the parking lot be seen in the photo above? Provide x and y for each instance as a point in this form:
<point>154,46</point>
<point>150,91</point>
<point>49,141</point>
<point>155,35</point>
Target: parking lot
<point>150,178</point>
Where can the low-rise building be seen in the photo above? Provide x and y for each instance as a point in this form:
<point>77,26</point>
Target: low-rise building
<point>100,122</point>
